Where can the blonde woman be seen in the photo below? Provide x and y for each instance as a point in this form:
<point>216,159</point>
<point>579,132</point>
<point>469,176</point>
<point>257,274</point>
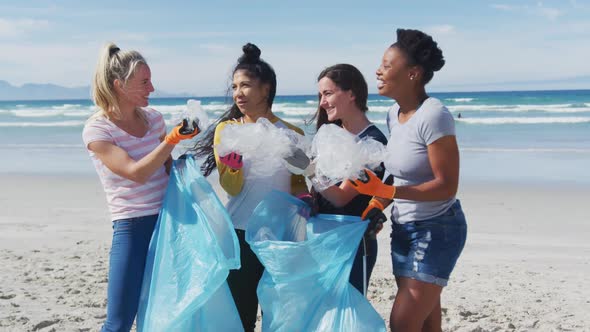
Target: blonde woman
<point>128,145</point>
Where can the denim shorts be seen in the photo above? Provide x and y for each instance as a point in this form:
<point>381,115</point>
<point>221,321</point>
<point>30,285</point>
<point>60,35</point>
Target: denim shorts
<point>427,250</point>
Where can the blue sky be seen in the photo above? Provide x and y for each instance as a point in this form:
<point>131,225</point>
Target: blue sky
<point>192,45</point>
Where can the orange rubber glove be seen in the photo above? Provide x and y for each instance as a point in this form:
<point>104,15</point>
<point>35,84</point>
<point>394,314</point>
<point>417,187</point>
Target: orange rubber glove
<point>371,185</point>
<point>373,204</point>
<point>374,214</point>
<point>181,132</point>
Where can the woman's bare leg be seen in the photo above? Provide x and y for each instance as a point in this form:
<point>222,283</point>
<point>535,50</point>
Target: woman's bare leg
<point>414,303</point>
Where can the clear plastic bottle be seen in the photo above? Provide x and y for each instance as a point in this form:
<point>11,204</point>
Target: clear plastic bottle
<point>195,115</point>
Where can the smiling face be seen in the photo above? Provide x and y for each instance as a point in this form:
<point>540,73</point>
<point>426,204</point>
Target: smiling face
<point>395,76</point>
<point>337,103</point>
<point>137,89</point>
<point>249,94</point>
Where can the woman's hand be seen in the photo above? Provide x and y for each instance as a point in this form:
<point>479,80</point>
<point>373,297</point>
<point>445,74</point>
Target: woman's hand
<point>374,214</point>
<point>232,160</point>
<point>370,184</point>
<point>181,132</point>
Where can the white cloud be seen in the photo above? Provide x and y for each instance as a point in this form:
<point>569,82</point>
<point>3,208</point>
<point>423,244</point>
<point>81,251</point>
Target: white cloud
<point>17,28</point>
<point>209,73</point>
<point>493,59</point>
<point>200,61</point>
<point>575,4</point>
<point>503,7</point>
<point>64,64</point>
<point>579,28</point>
<point>128,36</point>
<point>539,9</point>
<point>443,29</point>
<point>217,48</point>
<point>548,12</point>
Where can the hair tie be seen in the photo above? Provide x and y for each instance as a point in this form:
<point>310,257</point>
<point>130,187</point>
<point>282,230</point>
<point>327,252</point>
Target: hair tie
<point>113,51</point>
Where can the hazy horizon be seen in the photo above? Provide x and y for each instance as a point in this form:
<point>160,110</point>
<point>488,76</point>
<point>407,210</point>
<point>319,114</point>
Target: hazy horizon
<point>159,94</point>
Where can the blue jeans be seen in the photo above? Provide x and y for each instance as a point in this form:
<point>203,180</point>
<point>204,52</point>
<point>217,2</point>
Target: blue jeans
<point>131,239</point>
<point>427,250</point>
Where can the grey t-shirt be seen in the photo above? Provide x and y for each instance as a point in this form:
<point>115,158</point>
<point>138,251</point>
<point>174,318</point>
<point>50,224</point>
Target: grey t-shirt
<point>407,156</point>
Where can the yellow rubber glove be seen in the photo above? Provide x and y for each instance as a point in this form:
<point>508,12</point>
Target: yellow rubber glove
<point>181,132</point>
<point>371,185</point>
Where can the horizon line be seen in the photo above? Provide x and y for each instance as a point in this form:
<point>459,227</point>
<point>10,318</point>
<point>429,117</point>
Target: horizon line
<point>187,96</point>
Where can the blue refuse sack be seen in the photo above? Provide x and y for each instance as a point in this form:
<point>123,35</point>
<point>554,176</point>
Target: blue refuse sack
<point>307,261</point>
<point>191,252</point>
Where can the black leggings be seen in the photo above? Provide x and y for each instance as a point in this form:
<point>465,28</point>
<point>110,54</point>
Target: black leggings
<point>356,273</point>
<point>243,283</point>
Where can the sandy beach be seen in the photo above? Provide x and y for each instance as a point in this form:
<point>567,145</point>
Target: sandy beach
<point>525,266</point>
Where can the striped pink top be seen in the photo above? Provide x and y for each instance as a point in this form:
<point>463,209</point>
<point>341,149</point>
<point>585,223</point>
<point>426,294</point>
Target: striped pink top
<point>127,198</point>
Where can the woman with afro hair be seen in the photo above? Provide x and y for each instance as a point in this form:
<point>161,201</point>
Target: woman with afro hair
<point>428,225</point>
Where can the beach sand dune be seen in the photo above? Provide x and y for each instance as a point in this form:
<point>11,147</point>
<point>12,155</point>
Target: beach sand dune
<point>525,266</point>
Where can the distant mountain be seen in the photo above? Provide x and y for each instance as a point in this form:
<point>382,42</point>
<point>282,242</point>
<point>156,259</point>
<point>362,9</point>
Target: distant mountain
<point>34,91</point>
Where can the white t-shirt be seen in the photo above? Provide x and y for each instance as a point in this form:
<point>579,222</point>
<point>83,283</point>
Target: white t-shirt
<point>407,156</point>
<point>127,198</point>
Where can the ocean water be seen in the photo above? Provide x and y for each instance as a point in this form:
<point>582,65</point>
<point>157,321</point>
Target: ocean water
<point>529,137</point>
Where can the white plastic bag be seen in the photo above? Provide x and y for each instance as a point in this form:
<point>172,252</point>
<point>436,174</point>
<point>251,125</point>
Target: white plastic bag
<point>338,155</point>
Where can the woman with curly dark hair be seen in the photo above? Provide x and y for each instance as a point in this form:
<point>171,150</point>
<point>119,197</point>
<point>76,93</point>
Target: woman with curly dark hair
<point>428,225</point>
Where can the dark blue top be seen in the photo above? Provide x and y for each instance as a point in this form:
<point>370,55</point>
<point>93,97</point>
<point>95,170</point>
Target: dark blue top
<point>358,204</point>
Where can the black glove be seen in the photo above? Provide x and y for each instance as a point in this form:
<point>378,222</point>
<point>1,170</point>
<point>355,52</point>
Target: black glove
<point>376,218</point>
<point>185,129</point>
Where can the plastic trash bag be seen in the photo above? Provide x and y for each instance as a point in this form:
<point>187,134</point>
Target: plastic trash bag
<point>305,285</point>
<point>262,144</point>
<point>194,113</point>
<point>191,252</point>
<point>339,155</point>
